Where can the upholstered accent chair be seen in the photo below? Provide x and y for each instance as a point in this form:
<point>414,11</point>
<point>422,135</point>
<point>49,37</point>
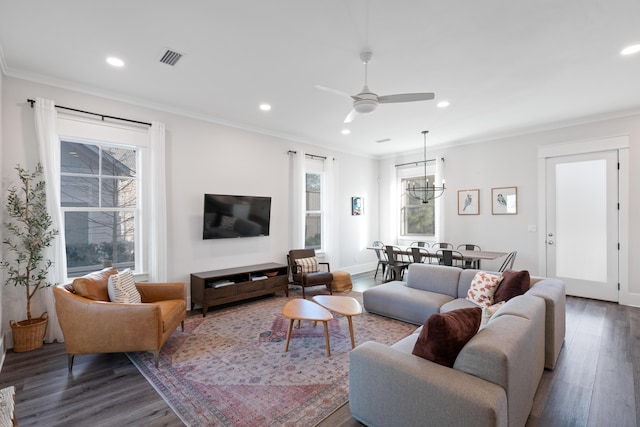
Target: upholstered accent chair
<point>91,323</point>
<point>306,271</point>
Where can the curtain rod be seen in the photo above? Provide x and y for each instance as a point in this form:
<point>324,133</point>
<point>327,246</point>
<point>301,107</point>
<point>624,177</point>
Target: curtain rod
<point>313,156</point>
<point>103,116</point>
<point>416,163</point>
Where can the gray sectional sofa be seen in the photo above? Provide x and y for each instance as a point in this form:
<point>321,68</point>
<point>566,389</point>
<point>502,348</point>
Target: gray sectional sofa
<point>494,377</point>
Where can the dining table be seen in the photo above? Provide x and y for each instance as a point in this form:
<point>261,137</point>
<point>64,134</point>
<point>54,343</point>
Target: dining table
<point>432,253</point>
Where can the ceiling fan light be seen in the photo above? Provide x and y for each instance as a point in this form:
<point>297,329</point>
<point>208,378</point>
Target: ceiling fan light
<point>365,106</point>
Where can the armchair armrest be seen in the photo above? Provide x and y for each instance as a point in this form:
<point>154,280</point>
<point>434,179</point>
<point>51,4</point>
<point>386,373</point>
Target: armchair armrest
<point>391,387</point>
<point>152,292</point>
<point>327,264</point>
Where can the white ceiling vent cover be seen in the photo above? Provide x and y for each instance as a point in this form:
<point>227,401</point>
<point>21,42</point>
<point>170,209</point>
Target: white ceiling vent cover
<point>170,57</point>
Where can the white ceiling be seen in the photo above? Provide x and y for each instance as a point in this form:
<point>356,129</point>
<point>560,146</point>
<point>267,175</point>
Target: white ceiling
<point>506,66</point>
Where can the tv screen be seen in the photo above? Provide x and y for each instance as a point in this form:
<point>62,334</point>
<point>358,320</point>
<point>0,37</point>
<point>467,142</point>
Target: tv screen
<point>227,216</point>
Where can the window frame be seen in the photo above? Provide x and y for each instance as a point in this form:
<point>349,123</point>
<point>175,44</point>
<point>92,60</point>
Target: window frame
<point>316,167</point>
<point>83,130</point>
<point>416,172</point>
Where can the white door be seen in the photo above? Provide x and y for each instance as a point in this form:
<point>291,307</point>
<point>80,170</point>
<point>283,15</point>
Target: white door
<point>582,223</point>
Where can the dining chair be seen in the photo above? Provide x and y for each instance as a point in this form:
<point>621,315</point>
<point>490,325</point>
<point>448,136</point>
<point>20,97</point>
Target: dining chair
<point>508,261</point>
<point>419,244</point>
<point>450,257</point>
<point>396,263</point>
<point>419,255</point>
<point>382,257</point>
<point>471,263</point>
<point>442,245</point>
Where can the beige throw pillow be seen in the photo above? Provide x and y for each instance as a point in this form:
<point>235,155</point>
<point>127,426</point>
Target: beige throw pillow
<point>122,288</point>
<point>307,265</point>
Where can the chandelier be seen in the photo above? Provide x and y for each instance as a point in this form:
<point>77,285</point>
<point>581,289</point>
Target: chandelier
<point>428,192</point>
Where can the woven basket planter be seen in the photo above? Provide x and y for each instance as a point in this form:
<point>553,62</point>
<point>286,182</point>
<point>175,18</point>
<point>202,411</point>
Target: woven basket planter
<point>29,334</point>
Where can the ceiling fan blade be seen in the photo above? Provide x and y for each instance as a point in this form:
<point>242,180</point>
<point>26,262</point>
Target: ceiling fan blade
<point>352,115</point>
<point>405,97</point>
<point>332,90</point>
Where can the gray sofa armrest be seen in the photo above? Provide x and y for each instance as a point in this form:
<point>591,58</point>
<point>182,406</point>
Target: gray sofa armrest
<point>552,291</point>
<point>390,387</point>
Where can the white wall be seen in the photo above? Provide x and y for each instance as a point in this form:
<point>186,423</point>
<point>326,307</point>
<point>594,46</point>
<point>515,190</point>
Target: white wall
<point>204,157</point>
<point>513,162</point>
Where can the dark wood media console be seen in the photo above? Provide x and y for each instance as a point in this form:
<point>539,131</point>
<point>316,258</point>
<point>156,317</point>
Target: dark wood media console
<point>211,288</point>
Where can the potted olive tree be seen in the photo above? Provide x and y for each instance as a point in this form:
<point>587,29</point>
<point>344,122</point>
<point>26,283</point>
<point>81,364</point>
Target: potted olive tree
<point>29,232</point>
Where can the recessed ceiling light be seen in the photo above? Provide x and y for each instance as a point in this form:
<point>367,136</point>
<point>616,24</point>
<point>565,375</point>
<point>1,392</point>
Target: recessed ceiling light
<point>630,50</point>
<point>265,107</point>
<point>443,104</point>
<point>346,131</point>
<point>116,62</point>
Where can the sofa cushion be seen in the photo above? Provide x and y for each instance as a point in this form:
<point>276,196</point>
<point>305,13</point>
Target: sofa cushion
<point>307,265</point>
<point>444,335</point>
<point>122,288</point>
<point>513,283</point>
<point>482,288</point>
<point>399,301</point>
<point>94,285</point>
<point>435,278</point>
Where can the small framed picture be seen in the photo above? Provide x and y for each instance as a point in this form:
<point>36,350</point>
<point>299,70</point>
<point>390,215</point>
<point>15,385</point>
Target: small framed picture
<point>504,201</point>
<point>357,206</point>
<point>469,202</point>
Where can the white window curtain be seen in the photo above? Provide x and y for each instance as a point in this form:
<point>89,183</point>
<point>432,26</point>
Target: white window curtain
<point>49,149</point>
<point>297,199</point>
<point>158,215</point>
<point>331,195</point>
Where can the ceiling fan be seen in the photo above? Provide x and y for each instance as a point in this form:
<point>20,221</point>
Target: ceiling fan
<point>366,101</point>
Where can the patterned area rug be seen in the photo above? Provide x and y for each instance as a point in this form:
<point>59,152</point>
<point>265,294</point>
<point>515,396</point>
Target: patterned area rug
<point>230,368</point>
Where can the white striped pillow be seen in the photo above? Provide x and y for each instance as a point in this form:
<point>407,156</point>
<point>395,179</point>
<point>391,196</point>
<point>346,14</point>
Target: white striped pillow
<point>307,265</point>
<point>122,288</point>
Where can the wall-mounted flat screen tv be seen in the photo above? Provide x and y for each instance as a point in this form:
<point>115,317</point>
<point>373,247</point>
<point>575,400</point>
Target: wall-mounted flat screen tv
<point>227,216</point>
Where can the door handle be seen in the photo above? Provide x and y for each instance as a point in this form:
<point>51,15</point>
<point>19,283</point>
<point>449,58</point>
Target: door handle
<point>549,242</point>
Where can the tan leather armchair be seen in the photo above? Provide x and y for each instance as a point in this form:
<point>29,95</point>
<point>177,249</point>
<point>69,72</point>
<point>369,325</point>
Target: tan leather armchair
<point>98,326</point>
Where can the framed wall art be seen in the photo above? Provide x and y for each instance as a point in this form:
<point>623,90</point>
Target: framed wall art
<point>357,206</point>
<point>504,201</point>
<point>469,202</point>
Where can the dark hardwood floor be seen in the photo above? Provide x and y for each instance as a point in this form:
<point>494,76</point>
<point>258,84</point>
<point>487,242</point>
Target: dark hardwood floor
<point>596,382</point>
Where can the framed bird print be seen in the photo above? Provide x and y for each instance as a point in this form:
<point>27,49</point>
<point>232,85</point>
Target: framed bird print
<point>469,202</point>
<point>504,201</point>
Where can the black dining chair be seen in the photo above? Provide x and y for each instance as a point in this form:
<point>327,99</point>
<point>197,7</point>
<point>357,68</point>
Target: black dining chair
<point>419,244</point>
<point>419,255</point>
<point>450,257</point>
<point>382,257</point>
<point>396,263</point>
<point>442,245</point>
<point>470,263</point>
<point>508,261</point>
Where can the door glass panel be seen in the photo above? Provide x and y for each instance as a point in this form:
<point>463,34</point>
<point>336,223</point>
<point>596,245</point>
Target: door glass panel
<point>581,220</point>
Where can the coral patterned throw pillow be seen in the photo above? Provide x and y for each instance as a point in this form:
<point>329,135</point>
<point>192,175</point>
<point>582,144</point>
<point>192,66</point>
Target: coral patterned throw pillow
<point>482,288</point>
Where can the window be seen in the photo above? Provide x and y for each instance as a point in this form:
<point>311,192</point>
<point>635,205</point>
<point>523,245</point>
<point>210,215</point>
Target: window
<point>99,205</point>
<point>313,211</point>
<point>416,218</point>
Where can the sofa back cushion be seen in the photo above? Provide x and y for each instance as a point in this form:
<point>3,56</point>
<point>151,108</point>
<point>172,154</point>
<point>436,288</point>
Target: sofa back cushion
<point>444,335</point>
<point>435,278</point>
<point>94,285</point>
<point>464,281</point>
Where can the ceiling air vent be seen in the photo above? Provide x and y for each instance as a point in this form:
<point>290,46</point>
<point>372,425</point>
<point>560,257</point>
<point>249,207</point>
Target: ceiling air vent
<point>170,57</point>
<point>380,141</point>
